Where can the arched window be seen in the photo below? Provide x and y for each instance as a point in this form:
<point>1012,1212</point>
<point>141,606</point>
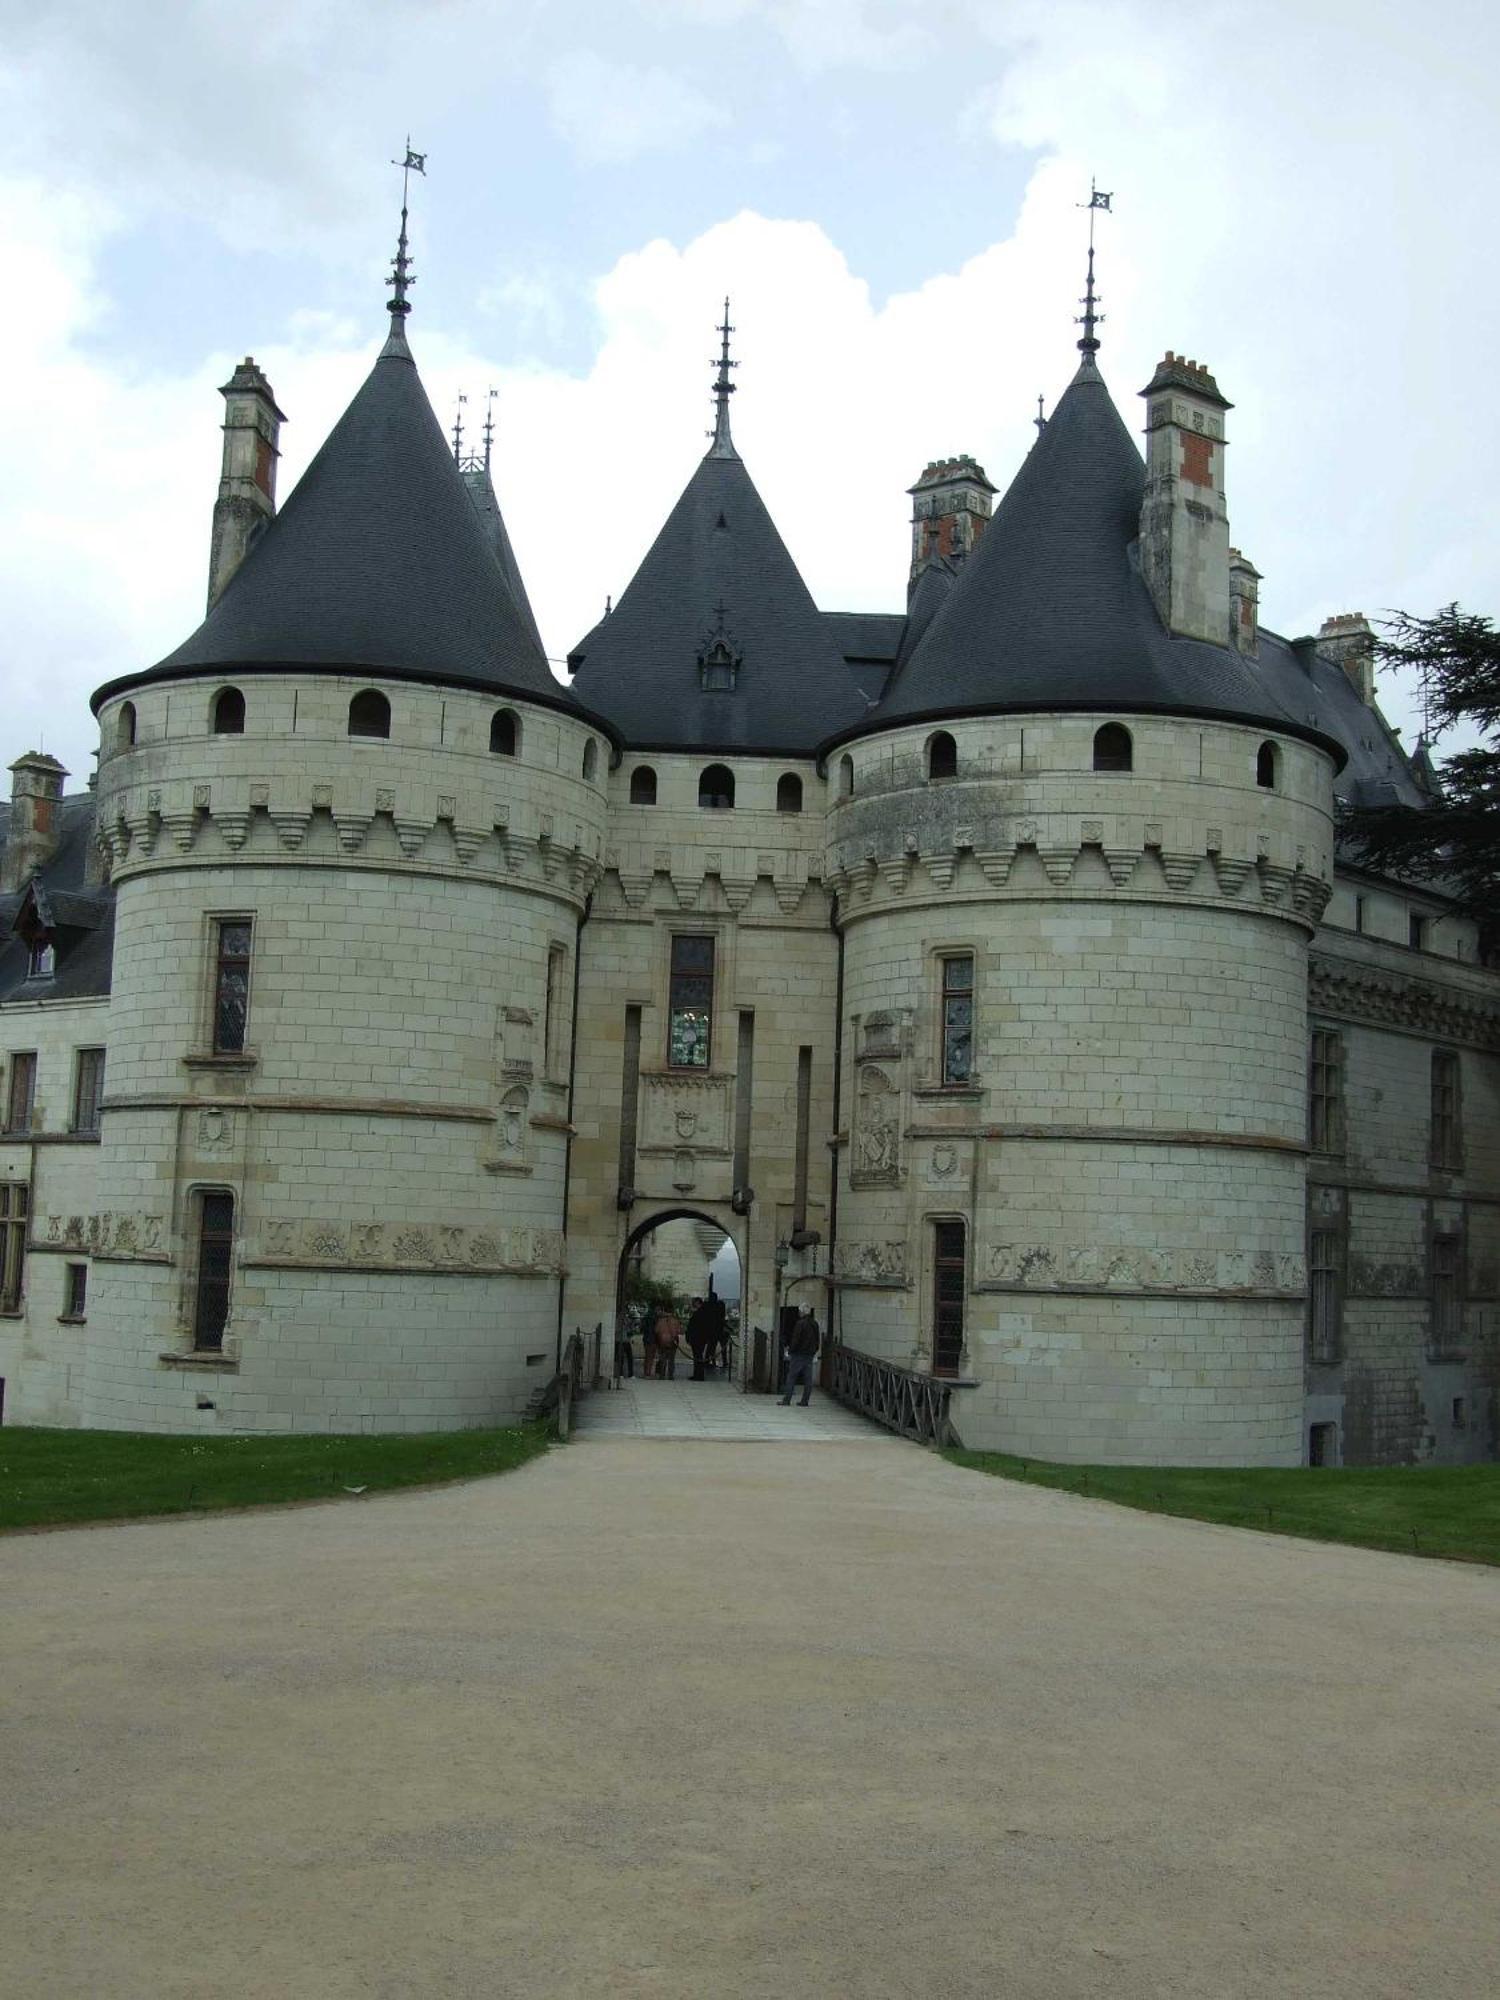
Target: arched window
<point>229,713</point>
<point>505,736</point>
<point>942,756</point>
<point>370,714</point>
<point>125,726</point>
<point>1266,761</point>
<point>1113,750</point>
<point>716,787</point>
<point>789,793</point>
<point>643,786</point>
<point>590,759</point>
<point>846,777</point>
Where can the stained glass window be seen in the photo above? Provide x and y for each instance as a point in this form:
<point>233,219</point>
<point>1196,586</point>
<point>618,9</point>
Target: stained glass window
<point>691,1002</point>
<point>958,1019</point>
<point>232,986</point>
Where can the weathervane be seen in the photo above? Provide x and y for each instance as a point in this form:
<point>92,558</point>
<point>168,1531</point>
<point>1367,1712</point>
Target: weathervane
<point>401,273</point>
<point>723,390</point>
<point>1089,345</point>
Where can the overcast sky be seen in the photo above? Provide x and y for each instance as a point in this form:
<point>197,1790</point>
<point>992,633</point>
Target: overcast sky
<point>1304,200</point>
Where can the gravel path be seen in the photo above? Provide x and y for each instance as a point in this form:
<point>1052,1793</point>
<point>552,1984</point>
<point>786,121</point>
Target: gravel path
<point>762,1719</point>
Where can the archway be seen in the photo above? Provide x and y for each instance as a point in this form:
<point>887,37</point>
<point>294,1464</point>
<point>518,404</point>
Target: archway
<point>677,1255</point>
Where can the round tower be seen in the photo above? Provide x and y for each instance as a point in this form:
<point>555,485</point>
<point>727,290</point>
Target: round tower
<point>1078,856</point>
<point>352,823</point>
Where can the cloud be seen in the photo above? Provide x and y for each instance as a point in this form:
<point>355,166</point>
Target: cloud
<point>612,112</point>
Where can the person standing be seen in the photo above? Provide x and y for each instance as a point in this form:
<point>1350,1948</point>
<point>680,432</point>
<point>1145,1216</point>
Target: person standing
<point>624,1347</point>
<point>648,1343</point>
<point>801,1353</point>
<point>718,1318</point>
<point>699,1334</point>
<point>668,1335</point>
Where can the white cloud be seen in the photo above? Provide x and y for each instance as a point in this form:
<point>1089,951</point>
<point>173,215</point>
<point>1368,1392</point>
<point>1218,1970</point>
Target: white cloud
<point>611,112</point>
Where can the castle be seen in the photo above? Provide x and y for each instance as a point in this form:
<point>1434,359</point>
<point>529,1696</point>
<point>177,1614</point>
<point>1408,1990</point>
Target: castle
<point>987,970</point>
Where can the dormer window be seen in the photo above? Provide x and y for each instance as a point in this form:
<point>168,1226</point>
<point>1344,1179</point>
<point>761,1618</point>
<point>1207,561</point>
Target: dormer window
<point>42,962</point>
<point>719,659</point>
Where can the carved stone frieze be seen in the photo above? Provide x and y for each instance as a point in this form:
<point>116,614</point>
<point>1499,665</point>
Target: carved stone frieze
<point>872,1262</point>
<point>1392,999</point>
<point>115,1233</point>
<point>682,1112</point>
<point>412,1246</point>
<point>1107,1268</point>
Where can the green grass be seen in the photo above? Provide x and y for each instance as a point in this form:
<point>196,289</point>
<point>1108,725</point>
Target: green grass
<point>1428,1510</point>
<point>52,1476</point>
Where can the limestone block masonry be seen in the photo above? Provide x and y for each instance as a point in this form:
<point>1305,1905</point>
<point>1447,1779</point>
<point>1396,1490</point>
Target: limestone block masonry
<point>1127,1157</point>
<point>393,1133</point>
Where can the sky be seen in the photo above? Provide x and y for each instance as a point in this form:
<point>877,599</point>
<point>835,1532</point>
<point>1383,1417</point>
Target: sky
<point>1302,200</point>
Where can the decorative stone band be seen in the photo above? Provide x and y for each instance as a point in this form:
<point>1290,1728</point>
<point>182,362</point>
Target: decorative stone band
<point>1354,992</point>
<point>690,877</point>
<point>149,828</point>
<point>113,1236</point>
<point>1017,1267</point>
<point>1019,866</point>
<point>400,1247</point>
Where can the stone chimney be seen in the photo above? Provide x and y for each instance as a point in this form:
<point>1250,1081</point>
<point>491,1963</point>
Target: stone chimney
<point>247,482</point>
<point>1184,522</point>
<point>1244,604</point>
<point>36,786</point>
<point>1348,641</point>
<point>950,504</point>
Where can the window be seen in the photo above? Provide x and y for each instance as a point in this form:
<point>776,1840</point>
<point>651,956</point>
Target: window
<point>14,1196</point>
<point>1359,914</point>
<point>958,1018</point>
<point>716,787</point>
<point>125,726</point>
<point>557,959</point>
<point>88,1090</point>
<point>369,714</point>
<point>1446,1149</point>
<point>1325,1296</point>
<point>231,985</point>
<point>846,777</point>
<point>643,786</point>
<point>215,1250</point>
<point>21,1101</point>
<point>948,1292</point>
<point>1267,758</point>
<point>590,760</point>
<point>1113,749</point>
<point>942,756</point>
<point>1416,932</point>
<point>1447,1293</point>
<point>42,960</point>
<point>229,713</point>
<point>1325,1091</point>
<point>75,1291</point>
<point>690,1003</point>
<point>505,735</point>
<point>789,793</point>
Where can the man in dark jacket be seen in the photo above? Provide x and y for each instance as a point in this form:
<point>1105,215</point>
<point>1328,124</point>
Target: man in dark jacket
<point>801,1353</point>
<point>699,1333</point>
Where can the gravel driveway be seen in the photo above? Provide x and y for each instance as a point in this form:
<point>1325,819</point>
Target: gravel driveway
<point>714,1719</point>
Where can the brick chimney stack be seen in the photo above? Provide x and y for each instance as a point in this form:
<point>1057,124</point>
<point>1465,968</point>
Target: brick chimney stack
<point>247,482</point>
<point>36,787</point>
<point>1348,641</point>
<point>950,504</point>
<point>1184,521</point>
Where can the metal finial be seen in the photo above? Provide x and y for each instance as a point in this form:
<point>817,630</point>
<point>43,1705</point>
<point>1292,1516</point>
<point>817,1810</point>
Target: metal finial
<point>1040,419</point>
<point>401,272</point>
<point>489,425</point>
<point>458,430</point>
<point>1091,318</point>
<point>723,443</point>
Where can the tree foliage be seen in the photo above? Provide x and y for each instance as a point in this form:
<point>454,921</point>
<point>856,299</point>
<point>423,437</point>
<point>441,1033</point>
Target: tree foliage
<point>1454,843</point>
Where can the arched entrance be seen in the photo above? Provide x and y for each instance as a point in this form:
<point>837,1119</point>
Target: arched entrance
<point>677,1254</point>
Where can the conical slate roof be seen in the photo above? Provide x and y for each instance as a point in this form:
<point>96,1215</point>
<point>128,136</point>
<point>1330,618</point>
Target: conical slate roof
<point>1051,610</point>
<point>487,507</point>
<point>718,568</point>
<point>378,562</point>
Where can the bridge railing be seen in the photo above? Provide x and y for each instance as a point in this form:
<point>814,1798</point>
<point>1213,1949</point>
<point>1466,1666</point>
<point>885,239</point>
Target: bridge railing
<point>914,1405</point>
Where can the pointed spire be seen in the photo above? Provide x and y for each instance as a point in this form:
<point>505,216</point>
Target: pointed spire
<point>1040,419</point>
<point>1088,347</point>
<point>458,431</point>
<point>723,444</point>
<point>402,279</point>
<point>489,425</point>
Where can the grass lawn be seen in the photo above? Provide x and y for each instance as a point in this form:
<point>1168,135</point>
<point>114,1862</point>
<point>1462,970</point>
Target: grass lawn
<point>49,1476</point>
<point>1428,1510</point>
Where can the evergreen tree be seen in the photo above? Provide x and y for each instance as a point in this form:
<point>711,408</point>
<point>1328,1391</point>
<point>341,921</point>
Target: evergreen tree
<point>1455,842</point>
